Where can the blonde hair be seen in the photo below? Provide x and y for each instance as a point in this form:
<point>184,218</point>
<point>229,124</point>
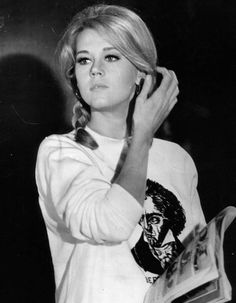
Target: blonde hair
<point>123,29</point>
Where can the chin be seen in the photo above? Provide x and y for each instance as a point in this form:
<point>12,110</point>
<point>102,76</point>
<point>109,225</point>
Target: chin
<point>99,103</point>
<point>108,103</point>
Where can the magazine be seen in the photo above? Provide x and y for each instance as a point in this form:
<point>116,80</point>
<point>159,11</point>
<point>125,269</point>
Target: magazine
<point>197,275</point>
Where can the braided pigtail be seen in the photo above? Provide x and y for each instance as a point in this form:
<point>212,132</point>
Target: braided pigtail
<point>81,116</point>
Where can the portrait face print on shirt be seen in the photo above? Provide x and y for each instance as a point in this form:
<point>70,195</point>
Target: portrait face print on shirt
<point>163,214</point>
<point>154,224</point>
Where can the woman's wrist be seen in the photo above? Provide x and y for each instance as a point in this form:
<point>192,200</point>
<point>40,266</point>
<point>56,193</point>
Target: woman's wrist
<point>142,136</point>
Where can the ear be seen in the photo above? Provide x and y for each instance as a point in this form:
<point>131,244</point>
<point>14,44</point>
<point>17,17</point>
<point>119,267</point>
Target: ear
<point>140,75</point>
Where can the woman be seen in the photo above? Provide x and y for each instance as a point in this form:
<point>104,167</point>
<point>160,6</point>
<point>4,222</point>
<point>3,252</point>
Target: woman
<point>110,194</point>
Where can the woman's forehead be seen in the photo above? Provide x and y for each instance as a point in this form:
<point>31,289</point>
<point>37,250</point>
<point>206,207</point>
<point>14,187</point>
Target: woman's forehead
<point>92,36</point>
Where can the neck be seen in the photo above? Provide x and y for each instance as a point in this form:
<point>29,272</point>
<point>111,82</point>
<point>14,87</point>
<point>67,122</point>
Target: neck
<point>108,124</point>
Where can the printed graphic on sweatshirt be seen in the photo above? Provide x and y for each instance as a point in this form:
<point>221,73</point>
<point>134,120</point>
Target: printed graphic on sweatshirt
<point>163,215</point>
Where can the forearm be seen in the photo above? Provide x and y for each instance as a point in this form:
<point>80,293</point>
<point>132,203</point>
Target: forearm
<point>133,174</point>
<point>149,113</point>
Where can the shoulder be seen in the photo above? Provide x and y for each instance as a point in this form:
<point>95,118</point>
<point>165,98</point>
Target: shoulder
<point>171,153</point>
<point>56,143</point>
<point>63,146</point>
<point>58,139</point>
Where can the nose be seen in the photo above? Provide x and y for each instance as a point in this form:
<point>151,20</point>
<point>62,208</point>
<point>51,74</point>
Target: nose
<point>97,69</point>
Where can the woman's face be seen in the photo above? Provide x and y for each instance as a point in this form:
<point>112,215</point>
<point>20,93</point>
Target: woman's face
<point>105,78</point>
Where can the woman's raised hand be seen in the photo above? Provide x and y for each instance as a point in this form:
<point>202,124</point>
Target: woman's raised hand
<point>151,111</point>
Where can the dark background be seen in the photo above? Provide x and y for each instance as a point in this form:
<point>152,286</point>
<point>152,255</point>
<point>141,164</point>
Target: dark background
<point>195,38</point>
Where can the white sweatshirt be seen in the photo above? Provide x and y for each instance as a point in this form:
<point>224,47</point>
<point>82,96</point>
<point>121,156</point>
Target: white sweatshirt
<point>92,225</point>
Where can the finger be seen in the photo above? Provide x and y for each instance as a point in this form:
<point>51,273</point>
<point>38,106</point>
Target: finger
<point>173,103</point>
<point>174,76</point>
<point>173,89</point>
<point>166,77</point>
<point>146,87</point>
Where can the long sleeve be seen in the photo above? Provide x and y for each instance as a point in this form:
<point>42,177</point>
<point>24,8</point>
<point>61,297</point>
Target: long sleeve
<point>74,192</point>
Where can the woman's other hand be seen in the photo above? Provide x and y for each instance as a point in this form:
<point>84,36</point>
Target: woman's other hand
<point>151,111</point>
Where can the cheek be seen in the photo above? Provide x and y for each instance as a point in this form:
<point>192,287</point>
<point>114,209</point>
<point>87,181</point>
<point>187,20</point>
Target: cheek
<point>78,78</point>
<point>81,81</point>
<point>126,77</point>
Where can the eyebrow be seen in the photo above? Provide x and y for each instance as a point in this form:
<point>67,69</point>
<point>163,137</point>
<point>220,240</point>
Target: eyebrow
<point>104,49</point>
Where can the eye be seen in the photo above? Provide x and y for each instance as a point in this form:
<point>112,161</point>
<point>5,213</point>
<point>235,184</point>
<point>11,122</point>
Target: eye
<point>83,60</point>
<point>154,220</point>
<point>112,58</point>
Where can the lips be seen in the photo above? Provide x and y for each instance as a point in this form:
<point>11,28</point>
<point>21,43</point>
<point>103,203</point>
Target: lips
<point>98,86</point>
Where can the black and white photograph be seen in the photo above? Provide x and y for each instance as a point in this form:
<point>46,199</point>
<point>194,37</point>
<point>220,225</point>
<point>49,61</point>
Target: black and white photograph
<point>117,141</point>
